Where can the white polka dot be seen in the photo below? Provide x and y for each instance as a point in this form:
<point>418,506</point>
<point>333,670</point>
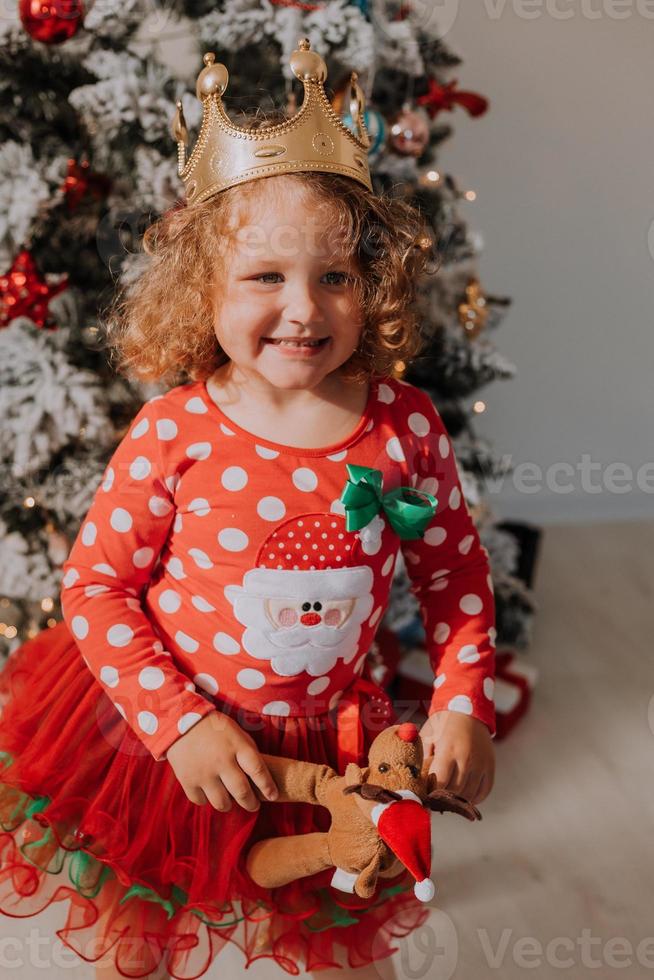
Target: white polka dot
<point>140,428</point>
<point>196,406</point>
<point>489,687</point>
<point>159,506</point>
<point>394,450</point>
<point>109,676</point>
<point>104,569</point>
<point>444,446</point>
<point>318,686</point>
<point>439,585</point>
<point>199,450</point>
<point>471,604</point>
<point>489,583</point>
<point>133,604</point>
<point>375,616</point>
<point>334,699</point>
<point>172,482</point>
<point>207,683</point>
<point>455,498</point>
<point>428,485</point>
<point>233,539</point>
<point>418,424</point>
<point>151,678</point>
<point>440,680</point>
<point>224,643</point>
<point>201,558</point>
<point>92,590</point>
<point>188,720</point>
<point>176,569</point>
<point>435,535</point>
<point>304,479</point>
<point>466,544</point>
<point>120,520</point>
<point>170,601</point>
<point>157,646</point>
<point>70,577</point>
<point>276,708</point>
<point>271,509</point>
<point>251,679</point>
<point>166,429</point>
<point>224,428</point>
<point>441,632</point>
<point>108,481</point>
<point>360,662</point>
<point>388,565</point>
<point>120,708</point>
<point>119,635</point>
<point>147,722</point>
<point>266,453</point>
<point>461,702</point>
<point>492,635</point>
<point>338,457</point>
<point>140,468</point>
<point>199,506</point>
<point>385,394</point>
<point>234,478</point>
<point>201,604</point>
<point>142,557</point>
<point>337,507</point>
<point>80,627</point>
<point>469,654</point>
<point>89,533</point>
<point>186,642</point>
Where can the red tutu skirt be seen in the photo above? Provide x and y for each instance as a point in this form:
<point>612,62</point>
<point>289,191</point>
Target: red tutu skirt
<point>153,880</point>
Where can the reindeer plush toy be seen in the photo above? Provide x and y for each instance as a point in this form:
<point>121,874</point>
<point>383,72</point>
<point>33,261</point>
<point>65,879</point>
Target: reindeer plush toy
<point>380,818</point>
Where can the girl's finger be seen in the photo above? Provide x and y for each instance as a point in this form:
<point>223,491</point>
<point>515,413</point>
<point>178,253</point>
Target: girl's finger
<point>471,788</point>
<point>445,770</point>
<point>237,785</point>
<point>218,796</point>
<point>253,766</point>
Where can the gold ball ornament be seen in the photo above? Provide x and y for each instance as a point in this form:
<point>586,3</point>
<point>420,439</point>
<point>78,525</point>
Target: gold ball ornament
<point>307,65</point>
<point>473,313</point>
<point>212,79</point>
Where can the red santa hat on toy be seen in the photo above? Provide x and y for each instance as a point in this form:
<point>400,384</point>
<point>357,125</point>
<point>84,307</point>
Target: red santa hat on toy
<point>405,825</point>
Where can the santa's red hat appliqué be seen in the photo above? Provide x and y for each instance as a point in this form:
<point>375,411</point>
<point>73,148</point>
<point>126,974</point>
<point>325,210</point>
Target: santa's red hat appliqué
<point>405,825</point>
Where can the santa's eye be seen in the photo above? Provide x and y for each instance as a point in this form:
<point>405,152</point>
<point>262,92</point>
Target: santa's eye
<point>383,767</point>
<point>317,606</point>
<point>414,771</point>
<point>306,606</point>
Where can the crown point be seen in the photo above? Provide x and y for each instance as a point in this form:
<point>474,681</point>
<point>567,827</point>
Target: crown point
<point>304,44</point>
<point>212,79</point>
<point>209,58</point>
<point>307,65</point>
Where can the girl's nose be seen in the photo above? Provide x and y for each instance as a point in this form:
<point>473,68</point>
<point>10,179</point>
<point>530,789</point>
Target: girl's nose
<point>302,305</point>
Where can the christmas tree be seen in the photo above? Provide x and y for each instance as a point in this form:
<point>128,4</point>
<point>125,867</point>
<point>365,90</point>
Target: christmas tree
<point>87,161</point>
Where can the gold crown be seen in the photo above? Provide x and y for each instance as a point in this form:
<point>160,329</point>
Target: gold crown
<point>313,139</point>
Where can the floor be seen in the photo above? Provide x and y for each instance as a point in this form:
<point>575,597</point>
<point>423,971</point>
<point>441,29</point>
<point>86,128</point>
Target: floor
<point>557,878</point>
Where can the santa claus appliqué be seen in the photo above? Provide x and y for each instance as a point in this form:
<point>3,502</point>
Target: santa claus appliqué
<point>313,588</point>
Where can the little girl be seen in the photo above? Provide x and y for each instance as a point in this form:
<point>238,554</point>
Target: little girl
<point>218,606</point>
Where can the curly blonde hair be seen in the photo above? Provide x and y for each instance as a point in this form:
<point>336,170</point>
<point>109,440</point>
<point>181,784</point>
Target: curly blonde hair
<point>160,327</point>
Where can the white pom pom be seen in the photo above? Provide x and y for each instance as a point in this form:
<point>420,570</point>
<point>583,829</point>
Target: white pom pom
<point>424,890</point>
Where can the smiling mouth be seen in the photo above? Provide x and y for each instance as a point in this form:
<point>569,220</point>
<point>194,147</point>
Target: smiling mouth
<point>288,342</point>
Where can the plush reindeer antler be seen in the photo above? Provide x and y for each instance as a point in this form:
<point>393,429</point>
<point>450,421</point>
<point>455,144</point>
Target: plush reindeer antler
<point>443,801</point>
<point>369,791</point>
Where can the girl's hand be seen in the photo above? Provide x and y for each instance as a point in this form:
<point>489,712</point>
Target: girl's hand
<point>463,754</point>
<point>214,758</point>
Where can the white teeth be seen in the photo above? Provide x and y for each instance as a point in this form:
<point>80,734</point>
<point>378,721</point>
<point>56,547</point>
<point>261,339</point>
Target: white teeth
<point>298,343</point>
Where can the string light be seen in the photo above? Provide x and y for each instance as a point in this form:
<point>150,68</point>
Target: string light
<point>47,604</point>
<point>479,407</point>
<point>29,502</point>
<point>470,195</point>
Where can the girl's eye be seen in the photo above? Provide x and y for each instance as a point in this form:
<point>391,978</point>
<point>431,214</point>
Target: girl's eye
<point>266,275</point>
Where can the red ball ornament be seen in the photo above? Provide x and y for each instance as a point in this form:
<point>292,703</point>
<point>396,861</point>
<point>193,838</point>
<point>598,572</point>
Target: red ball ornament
<point>51,21</point>
<point>410,132</point>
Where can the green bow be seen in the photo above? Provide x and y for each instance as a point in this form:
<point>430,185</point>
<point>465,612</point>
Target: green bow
<point>407,510</point>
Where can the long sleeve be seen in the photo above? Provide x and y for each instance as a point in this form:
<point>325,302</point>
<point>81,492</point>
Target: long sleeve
<point>110,563</point>
<point>450,575</point>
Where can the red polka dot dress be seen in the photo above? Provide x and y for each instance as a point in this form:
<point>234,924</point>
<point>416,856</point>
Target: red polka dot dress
<point>216,570</point>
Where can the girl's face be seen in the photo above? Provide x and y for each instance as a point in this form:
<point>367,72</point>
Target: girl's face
<point>285,279</point>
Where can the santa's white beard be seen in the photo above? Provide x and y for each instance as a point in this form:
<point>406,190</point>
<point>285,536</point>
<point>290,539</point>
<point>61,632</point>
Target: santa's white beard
<point>315,649</point>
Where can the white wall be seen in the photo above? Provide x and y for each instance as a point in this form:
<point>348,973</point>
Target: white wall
<point>562,164</point>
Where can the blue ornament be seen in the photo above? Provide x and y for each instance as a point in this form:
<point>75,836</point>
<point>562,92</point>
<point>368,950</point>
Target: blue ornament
<point>376,126</point>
